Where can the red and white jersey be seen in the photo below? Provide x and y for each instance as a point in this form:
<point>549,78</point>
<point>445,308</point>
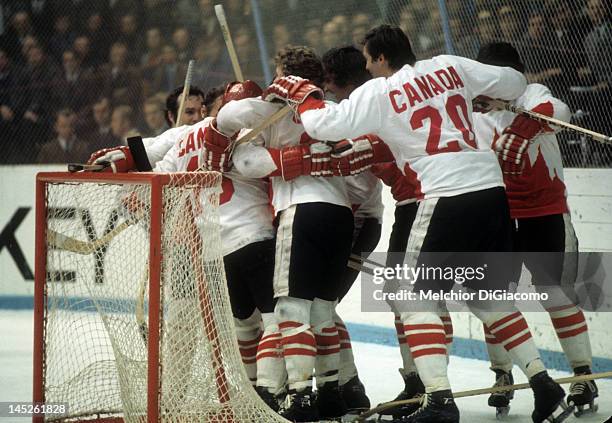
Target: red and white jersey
<point>157,147</point>
<point>365,194</point>
<point>250,112</point>
<point>402,187</point>
<point>244,211</point>
<point>424,114</point>
<point>539,190</point>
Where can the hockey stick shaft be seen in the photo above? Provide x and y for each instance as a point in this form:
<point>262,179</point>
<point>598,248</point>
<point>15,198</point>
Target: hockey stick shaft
<point>482,391</point>
<point>505,105</point>
<point>63,242</point>
<point>227,36</point>
<point>272,119</point>
<point>186,88</point>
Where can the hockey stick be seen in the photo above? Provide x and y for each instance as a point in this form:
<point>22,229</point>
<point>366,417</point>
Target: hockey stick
<point>481,391</point>
<point>77,167</point>
<point>186,88</point>
<point>506,105</point>
<point>227,36</point>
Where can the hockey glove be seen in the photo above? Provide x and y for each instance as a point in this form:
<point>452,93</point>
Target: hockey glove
<point>514,142</point>
<point>351,157</point>
<point>216,152</point>
<point>118,158</point>
<point>294,91</point>
<point>311,159</point>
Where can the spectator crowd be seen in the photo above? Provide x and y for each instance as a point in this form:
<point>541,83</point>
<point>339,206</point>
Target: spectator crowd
<point>78,75</point>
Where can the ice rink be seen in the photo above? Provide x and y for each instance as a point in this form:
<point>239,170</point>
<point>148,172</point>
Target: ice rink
<point>377,365</point>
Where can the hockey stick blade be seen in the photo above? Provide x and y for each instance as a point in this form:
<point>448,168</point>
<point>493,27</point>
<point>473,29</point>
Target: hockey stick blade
<point>141,160</point>
<point>482,391</point>
<point>77,167</point>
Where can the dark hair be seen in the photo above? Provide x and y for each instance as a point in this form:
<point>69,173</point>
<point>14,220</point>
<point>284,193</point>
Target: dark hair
<point>500,54</point>
<point>392,43</point>
<point>300,61</point>
<point>345,66</point>
<point>213,94</point>
<point>172,101</point>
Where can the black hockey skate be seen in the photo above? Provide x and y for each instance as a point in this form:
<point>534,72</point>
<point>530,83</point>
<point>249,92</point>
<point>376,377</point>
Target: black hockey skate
<point>329,401</point>
<point>583,394</point>
<point>501,400</point>
<point>438,407</point>
<point>299,406</point>
<point>268,397</point>
<point>413,388</point>
<point>548,397</point>
<point>354,396</point>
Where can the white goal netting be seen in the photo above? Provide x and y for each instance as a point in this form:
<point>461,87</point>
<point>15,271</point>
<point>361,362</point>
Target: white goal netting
<point>110,342</point>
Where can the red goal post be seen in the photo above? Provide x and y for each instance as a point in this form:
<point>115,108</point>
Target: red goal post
<point>94,350</point>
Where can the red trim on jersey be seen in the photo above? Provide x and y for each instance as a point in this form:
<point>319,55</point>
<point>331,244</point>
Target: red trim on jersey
<point>275,154</point>
<point>545,109</point>
<point>310,103</point>
<point>413,179</point>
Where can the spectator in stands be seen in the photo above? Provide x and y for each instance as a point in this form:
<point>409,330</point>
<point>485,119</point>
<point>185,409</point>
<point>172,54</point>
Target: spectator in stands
<point>159,13</point>
<point>536,47</point>
<point>151,59</point>
<point>246,51</point>
<point>72,88</point>
<point>39,74</point>
<point>153,110</point>
<point>122,124</point>
<point>281,36</point>
<point>335,32</point>
<point>99,38</point>
<point>62,38</point>
<point>198,16</point>
<point>65,147</point>
<point>98,132</point>
<point>486,26</point>
<point>10,113</point>
<point>120,80</point>
<point>82,50</point>
<point>129,35</point>
<point>360,23</point>
<point>169,74</point>
<point>420,40</point>
<point>182,44</point>
<point>20,27</point>
<point>509,22</point>
<point>212,66</point>
<point>312,33</point>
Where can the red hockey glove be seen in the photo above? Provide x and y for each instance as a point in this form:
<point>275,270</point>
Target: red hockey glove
<point>311,159</point>
<point>216,152</point>
<point>514,142</point>
<point>293,90</point>
<point>119,159</point>
<point>350,157</point>
<point>481,104</point>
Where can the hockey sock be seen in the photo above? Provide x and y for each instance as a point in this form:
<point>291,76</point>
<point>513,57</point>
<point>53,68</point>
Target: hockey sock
<point>248,332</point>
<point>407,361</point>
<point>448,330</point>
<point>327,340</point>
<point>271,371</point>
<point>499,357</point>
<point>511,330</point>
<point>348,370</point>
<point>297,341</point>
<point>427,341</point>
<point>573,334</point>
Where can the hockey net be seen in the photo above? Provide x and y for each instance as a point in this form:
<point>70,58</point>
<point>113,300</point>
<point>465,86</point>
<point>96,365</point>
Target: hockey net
<point>132,317</point>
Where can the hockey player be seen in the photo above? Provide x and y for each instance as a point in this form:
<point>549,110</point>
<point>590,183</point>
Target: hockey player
<point>193,111</point>
<point>423,112</point>
<point>315,226</point>
<point>248,242</point>
<point>533,173</point>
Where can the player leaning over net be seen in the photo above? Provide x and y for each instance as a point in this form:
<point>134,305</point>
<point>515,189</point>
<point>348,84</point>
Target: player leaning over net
<point>315,226</point>
<point>423,112</point>
<point>533,173</point>
<point>248,242</point>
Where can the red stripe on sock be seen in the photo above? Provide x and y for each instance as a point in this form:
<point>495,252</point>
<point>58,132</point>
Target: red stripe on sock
<point>289,325</point>
<point>248,352</point>
<point>304,338</point>
<point>559,308</point>
<point>298,351</point>
<point>517,341</point>
<point>346,346</point>
<point>275,335</point>
<point>428,351</point>
<point>328,351</point>
<point>330,330</point>
<point>511,330</point>
<point>269,354</point>
<point>271,344</point>
<point>249,342</point>
<point>326,340</point>
<point>573,332</point>
<point>425,339</point>
<point>571,320</point>
<point>424,326</point>
<point>504,320</point>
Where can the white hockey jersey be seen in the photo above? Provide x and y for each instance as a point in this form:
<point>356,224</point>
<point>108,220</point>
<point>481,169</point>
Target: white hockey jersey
<point>539,190</point>
<point>157,147</point>
<point>244,211</point>
<point>250,112</point>
<point>365,194</point>
<point>424,114</point>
